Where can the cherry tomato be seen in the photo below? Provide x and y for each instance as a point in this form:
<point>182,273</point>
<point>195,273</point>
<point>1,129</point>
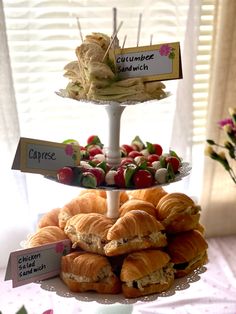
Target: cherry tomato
<point>127,148</point>
<point>65,175</point>
<point>126,161</point>
<point>174,163</point>
<point>153,157</point>
<point>158,149</point>
<point>94,150</point>
<point>154,148</point>
<point>134,153</point>
<point>93,139</point>
<point>119,177</point>
<point>142,179</point>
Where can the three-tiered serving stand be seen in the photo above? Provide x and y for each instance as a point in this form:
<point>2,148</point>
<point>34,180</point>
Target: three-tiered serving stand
<point>113,158</point>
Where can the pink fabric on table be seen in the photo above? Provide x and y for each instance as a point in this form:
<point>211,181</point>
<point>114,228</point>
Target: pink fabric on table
<point>214,292</point>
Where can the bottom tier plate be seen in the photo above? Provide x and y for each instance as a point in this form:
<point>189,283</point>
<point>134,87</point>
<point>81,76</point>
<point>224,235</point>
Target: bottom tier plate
<point>56,285</point>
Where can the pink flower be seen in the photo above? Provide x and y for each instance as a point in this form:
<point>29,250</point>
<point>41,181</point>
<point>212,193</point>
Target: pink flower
<point>165,50</point>
<point>224,122</point>
<point>48,312</point>
<point>59,247</point>
<point>69,150</point>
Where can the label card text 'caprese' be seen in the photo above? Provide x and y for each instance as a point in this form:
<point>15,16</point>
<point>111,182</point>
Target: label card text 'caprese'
<point>43,157</point>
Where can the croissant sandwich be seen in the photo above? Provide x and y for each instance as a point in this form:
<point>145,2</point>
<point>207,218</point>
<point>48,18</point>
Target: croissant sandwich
<point>50,218</point>
<point>89,231</point>
<point>146,272</point>
<point>86,203</point>
<point>136,230</point>
<point>188,251</point>
<point>178,212</point>
<point>83,272</point>
<point>134,204</point>
<point>152,195</point>
<point>46,235</point>
<point>123,194</point>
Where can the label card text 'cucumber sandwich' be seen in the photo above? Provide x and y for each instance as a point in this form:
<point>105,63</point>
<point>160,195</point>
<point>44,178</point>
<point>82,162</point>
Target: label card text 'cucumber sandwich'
<point>43,157</point>
<point>38,263</point>
<point>152,63</point>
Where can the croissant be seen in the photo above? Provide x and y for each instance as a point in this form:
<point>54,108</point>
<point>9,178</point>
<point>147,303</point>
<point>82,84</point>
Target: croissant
<point>87,203</point>
<point>123,194</point>
<point>200,228</point>
<point>146,272</point>
<point>188,251</point>
<point>83,272</point>
<point>135,230</point>
<point>101,193</point>
<point>178,212</point>
<point>134,204</point>
<point>50,218</point>
<point>89,231</point>
<point>45,235</point>
<point>152,195</point>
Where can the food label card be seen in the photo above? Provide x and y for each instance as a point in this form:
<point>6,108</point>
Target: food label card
<point>42,262</point>
<point>152,63</point>
<point>43,157</point>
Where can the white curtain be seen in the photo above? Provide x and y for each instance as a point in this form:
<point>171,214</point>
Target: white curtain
<point>15,222</point>
<point>219,192</point>
<point>18,219</point>
<point>182,129</point>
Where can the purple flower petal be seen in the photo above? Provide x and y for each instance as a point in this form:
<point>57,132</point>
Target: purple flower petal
<point>165,50</point>
<point>59,247</point>
<point>224,122</point>
<point>69,150</point>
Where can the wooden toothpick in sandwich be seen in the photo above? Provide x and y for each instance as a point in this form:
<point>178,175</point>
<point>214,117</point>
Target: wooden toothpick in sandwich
<point>112,40</point>
<point>123,45</point>
<point>151,37</point>
<point>116,41</point>
<point>79,27</point>
<point>139,28</point>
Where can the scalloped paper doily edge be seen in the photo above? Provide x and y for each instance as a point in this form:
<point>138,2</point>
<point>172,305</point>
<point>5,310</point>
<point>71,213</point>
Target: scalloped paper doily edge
<point>57,286</point>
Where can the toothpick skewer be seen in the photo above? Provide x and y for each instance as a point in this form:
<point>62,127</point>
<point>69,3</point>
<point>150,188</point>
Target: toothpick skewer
<point>116,41</point>
<point>123,45</point>
<point>112,40</point>
<point>79,27</point>
<point>139,28</point>
<point>114,20</point>
<point>151,37</point>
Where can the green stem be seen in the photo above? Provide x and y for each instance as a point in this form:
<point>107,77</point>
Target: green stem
<point>232,175</point>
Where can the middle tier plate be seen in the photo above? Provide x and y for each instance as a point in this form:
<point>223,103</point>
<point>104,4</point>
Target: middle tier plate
<point>184,171</point>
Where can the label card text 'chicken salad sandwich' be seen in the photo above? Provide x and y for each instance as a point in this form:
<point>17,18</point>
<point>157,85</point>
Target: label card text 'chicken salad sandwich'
<point>43,157</point>
<point>153,63</point>
<point>38,263</point>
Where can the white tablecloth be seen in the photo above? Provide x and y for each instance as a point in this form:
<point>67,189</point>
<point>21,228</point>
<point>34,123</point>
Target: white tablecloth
<point>213,293</point>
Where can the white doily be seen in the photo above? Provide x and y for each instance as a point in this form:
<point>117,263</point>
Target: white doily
<point>56,285</point>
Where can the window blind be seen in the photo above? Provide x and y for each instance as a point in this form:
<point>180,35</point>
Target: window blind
<point>42,38</point>
<point>43,35</point>
<point>202,69</point>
